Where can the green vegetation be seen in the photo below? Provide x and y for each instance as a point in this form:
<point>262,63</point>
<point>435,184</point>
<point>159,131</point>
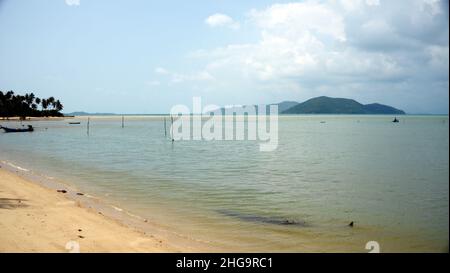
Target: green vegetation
<point>327,105</point>
<point>15,105</point>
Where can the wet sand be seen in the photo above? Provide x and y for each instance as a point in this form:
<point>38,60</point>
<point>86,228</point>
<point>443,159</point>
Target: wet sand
<point>37,219</point>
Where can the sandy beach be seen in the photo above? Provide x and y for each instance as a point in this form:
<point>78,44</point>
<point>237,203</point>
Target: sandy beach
<point>38,219</point>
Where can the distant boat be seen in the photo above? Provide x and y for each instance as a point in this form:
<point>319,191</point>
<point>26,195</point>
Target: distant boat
<point>395,120</point>
<point>11,130</point>
<point>75,122</point>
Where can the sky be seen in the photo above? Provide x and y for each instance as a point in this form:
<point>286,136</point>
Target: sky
<point>132,56</point>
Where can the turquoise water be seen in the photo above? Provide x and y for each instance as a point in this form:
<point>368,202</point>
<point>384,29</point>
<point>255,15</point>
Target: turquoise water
<point>390,179</point>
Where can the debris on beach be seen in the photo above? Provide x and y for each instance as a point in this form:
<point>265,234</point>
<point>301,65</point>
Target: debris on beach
<point>79,193</point>
<point>351,224</point>
<point>62,191</point>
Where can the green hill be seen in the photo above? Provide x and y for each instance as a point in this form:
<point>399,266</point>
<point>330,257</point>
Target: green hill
<point>327,105</point>
<point>285,105</point>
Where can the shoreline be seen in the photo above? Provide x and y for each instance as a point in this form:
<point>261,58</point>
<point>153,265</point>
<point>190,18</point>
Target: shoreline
<point>4,119</point>
<point>37,217</point>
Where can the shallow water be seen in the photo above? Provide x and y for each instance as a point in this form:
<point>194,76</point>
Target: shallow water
<point>390,179</point>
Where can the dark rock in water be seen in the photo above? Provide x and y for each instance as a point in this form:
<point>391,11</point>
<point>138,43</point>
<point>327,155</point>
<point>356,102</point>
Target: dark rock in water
<point>351,224</point>
<point>288,222</point>
<point>62,191</point>
<point>263,219</point>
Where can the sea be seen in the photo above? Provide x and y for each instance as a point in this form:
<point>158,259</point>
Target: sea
<point>389,179</point>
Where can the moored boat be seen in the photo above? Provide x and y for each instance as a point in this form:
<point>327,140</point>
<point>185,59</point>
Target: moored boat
<point>18,130</point>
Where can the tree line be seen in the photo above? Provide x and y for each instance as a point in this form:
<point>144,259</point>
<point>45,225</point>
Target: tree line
<point>28,105</point>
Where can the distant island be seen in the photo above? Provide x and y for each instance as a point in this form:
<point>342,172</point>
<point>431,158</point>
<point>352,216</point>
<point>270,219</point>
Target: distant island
<point>327,105</point>
<point>15,105</point>
<point>324,105</point>
<point>81,113</point>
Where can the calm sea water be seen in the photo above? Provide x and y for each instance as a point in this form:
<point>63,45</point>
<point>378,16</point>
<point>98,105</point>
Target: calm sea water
<point>390,179</point>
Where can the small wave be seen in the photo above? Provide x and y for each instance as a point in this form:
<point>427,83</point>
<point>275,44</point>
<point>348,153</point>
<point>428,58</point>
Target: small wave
<point>134,215</point>
<point>116,208</point>
<point>18,167</point>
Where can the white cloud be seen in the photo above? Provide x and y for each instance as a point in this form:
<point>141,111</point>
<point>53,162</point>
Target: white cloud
<point>373,2</point>
<point>161,71</point>
<point>351,5</point>
<point>72,2</point>
<point>221,20</point>
<point>358,48</point>
<point>297,19</point>
<point>438,57</point>
<point>432,7</point>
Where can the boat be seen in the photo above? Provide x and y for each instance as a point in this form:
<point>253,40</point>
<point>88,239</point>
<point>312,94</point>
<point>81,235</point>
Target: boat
<point>18,130</point>
<point>395,120</point>
<point>75,122</point>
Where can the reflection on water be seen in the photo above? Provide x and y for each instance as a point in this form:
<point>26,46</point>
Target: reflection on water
<point>390,179</point>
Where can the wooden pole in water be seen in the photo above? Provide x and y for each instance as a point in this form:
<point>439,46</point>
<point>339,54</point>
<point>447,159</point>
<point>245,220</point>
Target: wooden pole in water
<point>122,121</point>
<point>165,130</point>
<point>88,126</point>
<point>171,118</point>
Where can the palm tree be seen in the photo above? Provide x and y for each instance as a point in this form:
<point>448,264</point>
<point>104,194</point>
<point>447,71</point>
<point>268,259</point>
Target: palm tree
<point>44,104</point>
<point>51,102</point>
<point>3,110</point>
<point>9,95</point>
<point>58,106</point>
<point>18,105</point>
<point>7,103</point>
<point>29,98</point>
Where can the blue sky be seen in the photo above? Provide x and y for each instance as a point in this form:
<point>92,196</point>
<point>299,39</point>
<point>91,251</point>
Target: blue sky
<point>146,56</point>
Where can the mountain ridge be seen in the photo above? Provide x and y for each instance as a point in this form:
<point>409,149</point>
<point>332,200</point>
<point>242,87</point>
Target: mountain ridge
<point>317,105</point>
<point>328,105</point>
